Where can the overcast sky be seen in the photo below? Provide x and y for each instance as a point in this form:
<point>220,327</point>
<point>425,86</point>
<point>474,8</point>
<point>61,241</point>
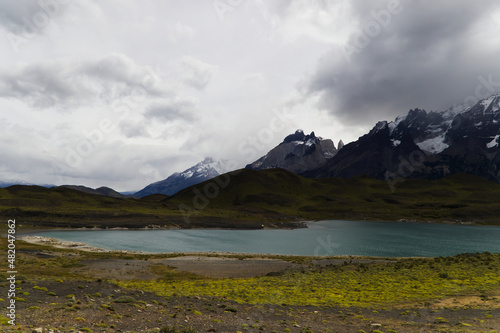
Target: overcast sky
<point>123,93</point>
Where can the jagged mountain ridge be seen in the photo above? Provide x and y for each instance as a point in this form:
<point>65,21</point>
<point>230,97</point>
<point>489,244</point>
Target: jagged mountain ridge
<point>425,144</point>
<point>205,170</point>
<point>297,153</point>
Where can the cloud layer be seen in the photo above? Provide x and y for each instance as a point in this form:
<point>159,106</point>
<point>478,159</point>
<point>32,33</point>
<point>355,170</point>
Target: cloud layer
<point>427,56</point>
<point>122,93</point>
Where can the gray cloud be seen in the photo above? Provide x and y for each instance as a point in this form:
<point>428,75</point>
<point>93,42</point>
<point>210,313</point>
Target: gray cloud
<point>195,73</point>
<point>179,32</point>
<point>65,84</point>
<point>20,15</point>
<point>41,86</point>
<point>134,129</point>
<point>427,56</point>
<point>171,111</point>
<point>199,101</point>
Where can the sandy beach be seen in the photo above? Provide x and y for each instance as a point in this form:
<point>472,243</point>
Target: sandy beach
<point>40,240</point>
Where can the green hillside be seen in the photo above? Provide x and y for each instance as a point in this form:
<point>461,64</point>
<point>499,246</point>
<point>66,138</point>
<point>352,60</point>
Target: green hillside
<point>276,192</point>
<point>250,199</point>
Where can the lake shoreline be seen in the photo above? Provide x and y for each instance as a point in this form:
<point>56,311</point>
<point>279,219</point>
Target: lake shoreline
<point>69,245</point>
<point>318,239</point>
<point>403,239</point>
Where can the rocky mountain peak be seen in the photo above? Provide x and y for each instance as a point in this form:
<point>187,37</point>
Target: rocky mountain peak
<point>299,136</point>
<point>297,153</point>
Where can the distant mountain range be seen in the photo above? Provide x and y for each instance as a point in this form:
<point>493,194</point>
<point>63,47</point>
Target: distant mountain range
<point>205,170</point>
<point>426,145</point>
<point>420,144</point>
<point>297,153</point>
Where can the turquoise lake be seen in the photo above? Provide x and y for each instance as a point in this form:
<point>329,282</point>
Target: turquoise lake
<point>383,239</point>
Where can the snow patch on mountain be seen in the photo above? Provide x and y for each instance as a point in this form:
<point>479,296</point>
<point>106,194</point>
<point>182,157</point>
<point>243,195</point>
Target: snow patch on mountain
<point>430,126</point>
<point>187,174</point>
<point>493,143</point>
<point>206,167</point>
<point>487,102</point>
<point>392,126</point>
<point>455,110</point>
<point>395,143</point>
<point>434,145</point>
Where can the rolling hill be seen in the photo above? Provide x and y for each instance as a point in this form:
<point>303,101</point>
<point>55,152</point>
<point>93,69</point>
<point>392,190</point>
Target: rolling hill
<point>272,198</point>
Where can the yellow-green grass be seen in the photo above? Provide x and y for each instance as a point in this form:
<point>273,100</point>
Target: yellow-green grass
<point>379,284</point>
<point>408,281</point>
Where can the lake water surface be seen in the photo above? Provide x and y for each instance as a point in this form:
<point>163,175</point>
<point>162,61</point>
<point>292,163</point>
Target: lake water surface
<point>385,239</point>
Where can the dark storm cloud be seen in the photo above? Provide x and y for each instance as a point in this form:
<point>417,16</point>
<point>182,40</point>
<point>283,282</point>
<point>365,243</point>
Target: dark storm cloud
<point>420,55</point>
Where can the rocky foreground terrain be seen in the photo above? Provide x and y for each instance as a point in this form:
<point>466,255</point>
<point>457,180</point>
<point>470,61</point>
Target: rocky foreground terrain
<point>65,290</point>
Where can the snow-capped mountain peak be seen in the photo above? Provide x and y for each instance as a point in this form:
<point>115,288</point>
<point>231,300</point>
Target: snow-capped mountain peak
<point>205,170</point>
